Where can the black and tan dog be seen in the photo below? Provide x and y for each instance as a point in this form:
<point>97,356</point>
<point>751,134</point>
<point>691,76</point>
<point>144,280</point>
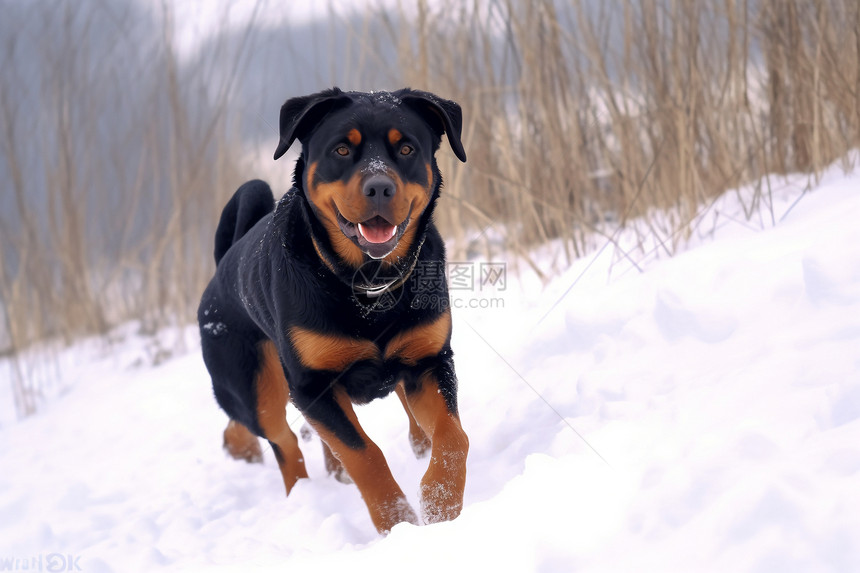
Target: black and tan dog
<point>293,312</point>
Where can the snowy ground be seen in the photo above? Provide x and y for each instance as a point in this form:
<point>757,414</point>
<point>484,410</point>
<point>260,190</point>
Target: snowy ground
<point>703,415</point>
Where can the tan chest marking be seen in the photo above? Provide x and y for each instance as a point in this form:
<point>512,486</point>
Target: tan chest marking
<point>420,342</point>
<point>319,351</point>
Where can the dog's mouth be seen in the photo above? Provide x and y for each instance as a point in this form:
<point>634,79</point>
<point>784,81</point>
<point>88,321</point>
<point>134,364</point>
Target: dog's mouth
<point>376,236</point>
<point>377,230</point>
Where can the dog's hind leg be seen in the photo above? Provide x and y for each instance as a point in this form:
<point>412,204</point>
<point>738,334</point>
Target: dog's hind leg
<point>333,465</point>
<point>241,444</point>
<point>417,438</point>
<point>231,357</point>
<point>249,385</point>
<point>273,394</point>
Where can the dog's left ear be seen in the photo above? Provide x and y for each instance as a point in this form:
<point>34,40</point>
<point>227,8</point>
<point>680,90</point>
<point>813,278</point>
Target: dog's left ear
<point>300,114</point>
<point>443,115</point>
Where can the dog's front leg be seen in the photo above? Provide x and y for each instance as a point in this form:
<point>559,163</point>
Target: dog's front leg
<point>433,402</point>
<point>332,416</point>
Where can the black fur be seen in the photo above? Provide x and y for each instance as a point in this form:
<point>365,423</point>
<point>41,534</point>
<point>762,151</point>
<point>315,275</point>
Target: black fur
<point>251,202</point>
<point>271,278</point>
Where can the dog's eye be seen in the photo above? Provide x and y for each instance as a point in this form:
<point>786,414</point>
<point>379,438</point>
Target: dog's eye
<point>407,150</point>
<point>342,150</point>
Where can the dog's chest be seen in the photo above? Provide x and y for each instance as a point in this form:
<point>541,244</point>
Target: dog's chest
<point>337,352</point>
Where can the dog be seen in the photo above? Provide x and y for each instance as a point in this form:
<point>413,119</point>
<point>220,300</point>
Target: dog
<point>314,300</point>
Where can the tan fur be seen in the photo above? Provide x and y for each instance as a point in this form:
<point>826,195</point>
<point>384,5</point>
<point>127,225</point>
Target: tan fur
<point>410,200</point>
<point>369,470</point>
<point>443,484</point>
<point>324,197</point>
<point>417,438</point>
<point>333,465</point>
<point>241,444</point>
<point>420,342</point>
<point>417,197</point>
<point>272,397</point>
<point>330,352</point>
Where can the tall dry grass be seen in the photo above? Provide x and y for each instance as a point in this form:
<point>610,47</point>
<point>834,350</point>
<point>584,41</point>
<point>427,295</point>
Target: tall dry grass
<point>117,158</point>
<point>580,113</point>
<point>579,117</point>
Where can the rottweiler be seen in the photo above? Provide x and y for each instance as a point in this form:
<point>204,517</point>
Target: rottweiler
<point>314,299</point>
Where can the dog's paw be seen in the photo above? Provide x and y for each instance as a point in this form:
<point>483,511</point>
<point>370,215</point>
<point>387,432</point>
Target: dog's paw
<point>306,433</point>
<point>341,475</point>
<point>420,445</point>
<point>241,444</point>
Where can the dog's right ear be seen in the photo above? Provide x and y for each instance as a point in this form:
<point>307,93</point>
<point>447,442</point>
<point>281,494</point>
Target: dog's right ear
<point>300,114</point>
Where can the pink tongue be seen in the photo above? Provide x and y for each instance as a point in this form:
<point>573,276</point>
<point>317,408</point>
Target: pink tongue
<point>377,233</point>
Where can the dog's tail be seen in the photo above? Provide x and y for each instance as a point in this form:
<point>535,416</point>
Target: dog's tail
<point>250,203</point>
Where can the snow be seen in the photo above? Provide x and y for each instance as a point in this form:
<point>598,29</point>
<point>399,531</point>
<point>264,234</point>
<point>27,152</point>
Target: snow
<point>700,415</point>
<point>216,328</point>
<point>375,166</point>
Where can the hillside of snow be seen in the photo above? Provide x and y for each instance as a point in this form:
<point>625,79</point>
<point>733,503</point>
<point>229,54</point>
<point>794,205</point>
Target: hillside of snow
<point>700,415</point>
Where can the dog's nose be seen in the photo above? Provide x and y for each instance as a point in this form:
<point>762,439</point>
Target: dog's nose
<point>379,187</point>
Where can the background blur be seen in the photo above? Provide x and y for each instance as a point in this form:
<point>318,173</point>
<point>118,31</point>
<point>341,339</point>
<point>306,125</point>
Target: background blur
<point>125,125</point>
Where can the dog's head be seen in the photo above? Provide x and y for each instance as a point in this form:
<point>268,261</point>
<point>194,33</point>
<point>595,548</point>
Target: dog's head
<point>368,165</point>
